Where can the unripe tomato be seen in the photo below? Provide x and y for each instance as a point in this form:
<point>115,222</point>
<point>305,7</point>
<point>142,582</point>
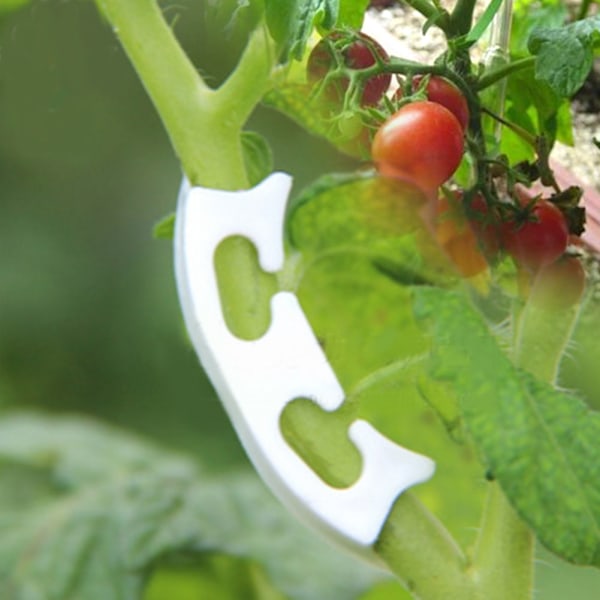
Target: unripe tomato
<point>359,54</point>
<point>559,285</point>
<point>422,142</point>
<point>538,241</point>
<point>443,92</point>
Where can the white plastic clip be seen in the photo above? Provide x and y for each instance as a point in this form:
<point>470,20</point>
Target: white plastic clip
<point>256,379</point>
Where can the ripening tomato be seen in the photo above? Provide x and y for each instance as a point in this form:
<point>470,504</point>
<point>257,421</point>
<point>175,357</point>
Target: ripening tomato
<point>443,92</point>
<point>559,285</point>
<point>455,235</point>
<point>358,54</point>
<point>540,239</point>
<point>422,142</point>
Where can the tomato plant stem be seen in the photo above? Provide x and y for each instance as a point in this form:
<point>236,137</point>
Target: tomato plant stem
<point>421,552</point>
<point>541,339</point>
<point>462,17</point>
<point>496,74</point>
<point>430,11</point>
<point>204,126</point>
<point>503,557</point>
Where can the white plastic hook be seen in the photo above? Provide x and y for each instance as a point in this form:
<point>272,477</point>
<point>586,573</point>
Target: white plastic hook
<point>256,379</point>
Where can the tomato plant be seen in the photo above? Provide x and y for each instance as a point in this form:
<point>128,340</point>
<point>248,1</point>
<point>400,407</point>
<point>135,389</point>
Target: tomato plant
<point>421,142</point>
<point>470,376</point>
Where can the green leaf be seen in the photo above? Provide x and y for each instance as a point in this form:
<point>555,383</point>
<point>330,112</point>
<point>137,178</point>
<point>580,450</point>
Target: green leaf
<point>291,22</point>
<point>483,22</point>
<point>349,229</point>
<point>352,13</point>
<point>541,444</point>
<point>258,156</point>
<point>99,512</point>
<point>565,54</point>
<point>531,16</point>
<point>165,228</point>
<point>533,105</point>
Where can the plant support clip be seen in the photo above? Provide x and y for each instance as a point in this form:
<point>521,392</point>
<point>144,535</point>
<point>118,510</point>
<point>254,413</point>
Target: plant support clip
<point>256,379</point>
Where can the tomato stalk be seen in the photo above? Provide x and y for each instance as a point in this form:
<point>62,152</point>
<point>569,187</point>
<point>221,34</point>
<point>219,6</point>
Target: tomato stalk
<point>497,74</point>
<point>204,126</point>
<point>461,17</point>
<point>431,12</point>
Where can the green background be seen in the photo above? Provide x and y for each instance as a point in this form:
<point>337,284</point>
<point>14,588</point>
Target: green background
<point>89,318</point>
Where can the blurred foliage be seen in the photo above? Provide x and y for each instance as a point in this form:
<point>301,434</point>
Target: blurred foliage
<point>89,317</point>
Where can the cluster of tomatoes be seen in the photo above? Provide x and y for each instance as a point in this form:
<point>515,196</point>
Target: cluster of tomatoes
<point>423,142</point>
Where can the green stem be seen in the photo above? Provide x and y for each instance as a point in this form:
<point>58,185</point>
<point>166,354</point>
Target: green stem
<point>516,129</point>
<point>462,17</point>
<point>503,558</point>
<point>203,124</point>
<point>430,11</point>
<point>541,339</point>
<point>419,550</point>
<point>584,9</point>
<point>495,75</point>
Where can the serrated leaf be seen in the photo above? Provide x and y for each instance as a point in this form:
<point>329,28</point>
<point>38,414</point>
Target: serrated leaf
<point>527,18</point>
<point>363,212</point>
<point>114,506</point>
<point>347,228</point>
<point>258,157</point>
<point>565,55</point>
<point>291,22</point>
<point>541,444</point>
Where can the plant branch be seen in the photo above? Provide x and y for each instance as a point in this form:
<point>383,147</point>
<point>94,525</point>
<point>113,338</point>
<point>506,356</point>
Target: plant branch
<point>207,144</point>
<point>251,78</point>
<point>461,17</point>
<point>499,73</point>
<point>421,552</point>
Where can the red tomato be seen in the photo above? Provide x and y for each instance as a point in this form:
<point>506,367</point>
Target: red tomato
<point>443,92</point>
<point>559,285</point>
<point>422,142</point>
<point>540,239</point>
<point>359,54</point>
<point>457,238</point>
